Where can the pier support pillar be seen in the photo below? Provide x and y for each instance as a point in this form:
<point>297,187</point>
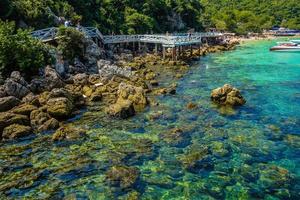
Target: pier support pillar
<point>156,48</point>
<point>174,53</point>
<point>164,52</point>
<point>191,48</point>
<point>139,46</point>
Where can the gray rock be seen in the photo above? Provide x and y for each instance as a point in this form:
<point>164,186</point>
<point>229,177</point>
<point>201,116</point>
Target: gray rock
<point>16,85</point>
<point>108,70</point>
<point>53,79</point>
<point>7,103</point>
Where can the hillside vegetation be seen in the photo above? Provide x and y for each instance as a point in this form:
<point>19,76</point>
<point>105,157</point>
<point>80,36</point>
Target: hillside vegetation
<point>18,51</point>
<point>136,16</point>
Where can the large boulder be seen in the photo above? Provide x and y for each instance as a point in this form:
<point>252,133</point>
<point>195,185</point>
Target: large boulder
<point>7,103</point>
<point>227,95</point>
<point>16,85</point>
<point>42,121</point>
<point>134,94</point>
<point>122,109</point>
<point>53,79</point>
<point>16,131</point>
<point>60,107</point>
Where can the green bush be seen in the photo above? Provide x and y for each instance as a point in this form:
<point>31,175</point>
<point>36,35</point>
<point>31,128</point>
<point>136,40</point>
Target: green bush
<point>71,43</point>
<point>19,51</point>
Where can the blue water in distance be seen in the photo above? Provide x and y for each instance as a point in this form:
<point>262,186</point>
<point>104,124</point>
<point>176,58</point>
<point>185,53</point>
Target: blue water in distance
<point>251,152</point>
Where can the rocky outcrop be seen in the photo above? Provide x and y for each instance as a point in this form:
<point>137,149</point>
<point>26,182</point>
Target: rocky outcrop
<point>16,131</point>
<point>227,95</point>
<point>7,103</point>
<point>16,85</point>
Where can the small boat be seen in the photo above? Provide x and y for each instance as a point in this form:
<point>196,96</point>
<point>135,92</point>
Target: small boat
<point>296,41</point>
<point>286,47</point>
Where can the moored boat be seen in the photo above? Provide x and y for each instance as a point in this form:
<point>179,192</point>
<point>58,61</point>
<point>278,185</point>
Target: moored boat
<point>286,47</point>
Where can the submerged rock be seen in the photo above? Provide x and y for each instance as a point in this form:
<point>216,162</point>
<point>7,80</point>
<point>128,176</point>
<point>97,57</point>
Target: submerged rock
<point>15,131</point>
<point>293,140</point>
<point>191,106</point>
<point>274,177</point>
<point>122,176</point>
<point>227,95</point>
<point>7,103</point>
<point>195,158</point>
<point>176,137</point>
<point>68,133</point>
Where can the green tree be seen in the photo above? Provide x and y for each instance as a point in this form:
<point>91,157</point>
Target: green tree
<point>71,43</point>
<point>19,51</point>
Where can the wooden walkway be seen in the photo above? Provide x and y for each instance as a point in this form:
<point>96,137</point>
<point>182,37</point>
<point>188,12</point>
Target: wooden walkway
<point>173,41</point>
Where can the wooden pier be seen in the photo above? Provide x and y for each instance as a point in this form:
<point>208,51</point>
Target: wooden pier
<point>175,41</point>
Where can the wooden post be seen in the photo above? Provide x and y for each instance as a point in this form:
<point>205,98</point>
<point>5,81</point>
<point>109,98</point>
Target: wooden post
<point>164,52</point>
<point>156,48</point>
<point>191,50</point>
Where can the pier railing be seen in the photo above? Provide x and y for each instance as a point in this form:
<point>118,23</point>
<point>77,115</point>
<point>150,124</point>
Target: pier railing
<point>166,40</point>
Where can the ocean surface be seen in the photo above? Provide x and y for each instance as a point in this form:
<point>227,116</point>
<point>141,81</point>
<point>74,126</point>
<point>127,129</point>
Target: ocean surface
<point>208,152</point>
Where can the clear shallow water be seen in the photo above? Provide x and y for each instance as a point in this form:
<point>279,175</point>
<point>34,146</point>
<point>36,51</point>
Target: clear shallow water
<point>248,153</point>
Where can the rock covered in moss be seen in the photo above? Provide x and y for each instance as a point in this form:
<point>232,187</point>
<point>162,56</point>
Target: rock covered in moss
<point>24,109</point>
<point>122,176</point>
<point>122,109</point>
<point>16,131</point>
<point>68,133</point>
<point>7,119</point>
<point>135,94</point>
<point>7,103</point>
<point>42,121</point>
<point>227,95</point>
<point>59,108</point>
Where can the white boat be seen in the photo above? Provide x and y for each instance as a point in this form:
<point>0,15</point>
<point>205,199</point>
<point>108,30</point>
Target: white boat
<point>286,47</point>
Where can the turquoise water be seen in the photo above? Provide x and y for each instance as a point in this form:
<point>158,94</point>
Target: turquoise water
<point>251,152</point>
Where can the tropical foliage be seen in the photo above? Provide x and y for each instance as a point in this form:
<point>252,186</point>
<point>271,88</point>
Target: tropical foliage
<point>19,51</point>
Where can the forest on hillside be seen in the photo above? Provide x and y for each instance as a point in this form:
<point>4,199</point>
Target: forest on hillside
<point>135,16</point>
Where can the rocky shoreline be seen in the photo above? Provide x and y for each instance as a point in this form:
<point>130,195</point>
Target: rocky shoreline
<point>121,85</point>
